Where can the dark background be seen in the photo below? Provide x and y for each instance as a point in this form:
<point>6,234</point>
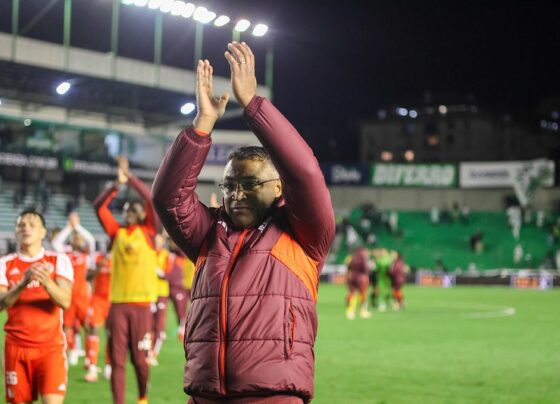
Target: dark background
<point>337,62</point>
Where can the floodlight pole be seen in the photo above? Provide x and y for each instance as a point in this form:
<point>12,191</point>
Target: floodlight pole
<point>15,23</point>
<point>115,36</point>
<point>38,17</point>
<point>235,35</point>
<point>198,39</point>
<point>67,27</point>
<point>158,35</point>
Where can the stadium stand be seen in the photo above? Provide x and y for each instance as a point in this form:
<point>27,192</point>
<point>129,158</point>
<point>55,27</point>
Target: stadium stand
<point>423,243</point>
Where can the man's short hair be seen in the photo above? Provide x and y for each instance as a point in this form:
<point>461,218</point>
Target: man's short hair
<point>32,211</point>
<point>250,153</point>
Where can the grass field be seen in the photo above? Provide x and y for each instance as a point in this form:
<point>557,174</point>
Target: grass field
<point>460,345</point>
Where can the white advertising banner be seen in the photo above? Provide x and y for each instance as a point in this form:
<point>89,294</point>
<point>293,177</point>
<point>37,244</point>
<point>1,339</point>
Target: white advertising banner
<point>504,174</point>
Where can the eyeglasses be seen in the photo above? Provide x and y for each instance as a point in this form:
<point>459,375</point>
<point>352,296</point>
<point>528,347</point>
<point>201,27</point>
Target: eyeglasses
<point>244,185</point>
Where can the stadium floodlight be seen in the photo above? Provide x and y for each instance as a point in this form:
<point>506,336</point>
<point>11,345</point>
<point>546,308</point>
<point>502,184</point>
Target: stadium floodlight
<point>166,6</point>
<point>187,108</point>
<point>63,88</point>
<point>413,114</point>
<point>260,30</point>
<point>221,21</point>
<point>178,8</point>
<point>442,109</point>
<point>203,15</point>
<point>242,25</point>
<point>386,155</point>
<point>141,3</point>
<point>402,111</point>
<point>154,4</point>
<point>188,10</point>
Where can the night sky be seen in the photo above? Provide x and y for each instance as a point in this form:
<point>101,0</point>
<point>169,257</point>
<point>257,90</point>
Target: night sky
<point>337,62</point>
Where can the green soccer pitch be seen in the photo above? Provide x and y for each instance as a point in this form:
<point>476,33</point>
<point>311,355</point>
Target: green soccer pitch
<point>460,345</point>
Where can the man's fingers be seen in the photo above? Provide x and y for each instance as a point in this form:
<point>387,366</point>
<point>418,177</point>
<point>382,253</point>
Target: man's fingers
<point>233,64</point>
<point>223,99</point>
<point>210,78</point>
<point>248,54</point>
<point>235,50</point>
<point>199,78</point>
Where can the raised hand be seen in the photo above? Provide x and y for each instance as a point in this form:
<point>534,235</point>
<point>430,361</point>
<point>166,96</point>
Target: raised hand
<point>123,172</point>
<point>73,220</point>
<point>242,65</point>
<point>209,108</point>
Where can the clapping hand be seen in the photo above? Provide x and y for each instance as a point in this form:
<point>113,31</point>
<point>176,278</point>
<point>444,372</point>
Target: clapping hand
<point>209,107</point>
<point>242,65</point>
<point>41,272</point>
<point>73,220</point>
<point>123,172</point>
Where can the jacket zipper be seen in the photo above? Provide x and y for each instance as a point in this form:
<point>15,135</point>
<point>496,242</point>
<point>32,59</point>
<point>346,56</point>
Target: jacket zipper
<point>223,311</point>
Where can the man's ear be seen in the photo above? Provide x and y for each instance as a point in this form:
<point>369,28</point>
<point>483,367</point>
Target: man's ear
<point>278,189</point>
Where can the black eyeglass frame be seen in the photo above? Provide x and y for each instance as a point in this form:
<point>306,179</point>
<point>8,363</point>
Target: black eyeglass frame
<point>239,185</point>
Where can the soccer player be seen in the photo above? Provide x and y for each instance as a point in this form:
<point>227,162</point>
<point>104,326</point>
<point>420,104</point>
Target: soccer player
<point>383,261</point>
<point>97,315</point>
<point>357,280</point>
<point>252,322</point>
<point>80,251</point>
<point>397,273</point>
<point>160,309</point>
<point>133,282</point>
<point>34,285</point>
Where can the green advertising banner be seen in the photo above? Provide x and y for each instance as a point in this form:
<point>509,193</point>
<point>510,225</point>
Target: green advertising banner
<point>414,175</point>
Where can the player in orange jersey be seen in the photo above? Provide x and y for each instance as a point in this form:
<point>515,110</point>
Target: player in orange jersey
<point>133,282</point>
<point>34,285</point>
<point>97,315</point>
<point>80,251</point>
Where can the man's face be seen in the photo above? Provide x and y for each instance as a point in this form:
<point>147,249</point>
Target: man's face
<point>30,231</point>
<point>133,213</point>
<point>248,208</point>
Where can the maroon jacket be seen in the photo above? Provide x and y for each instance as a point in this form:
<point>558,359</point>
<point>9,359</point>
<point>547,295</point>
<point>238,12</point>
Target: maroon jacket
<point>252,324</point>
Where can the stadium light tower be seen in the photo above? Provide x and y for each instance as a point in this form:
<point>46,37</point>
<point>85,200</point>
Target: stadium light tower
<point>241,26</point>
<point>221,21</point>
<point>260,30</point>
<point>203,15</point>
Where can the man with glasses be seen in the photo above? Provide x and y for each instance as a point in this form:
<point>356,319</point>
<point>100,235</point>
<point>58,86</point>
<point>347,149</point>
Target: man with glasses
<point>252,322</point>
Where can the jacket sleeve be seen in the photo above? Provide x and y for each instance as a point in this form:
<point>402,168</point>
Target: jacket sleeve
<point>152,222</point>
<point>307,198</point>
<point>184,217</point>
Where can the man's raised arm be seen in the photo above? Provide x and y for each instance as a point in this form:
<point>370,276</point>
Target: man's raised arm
<point>305,192</point>
<point>184,217</point>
